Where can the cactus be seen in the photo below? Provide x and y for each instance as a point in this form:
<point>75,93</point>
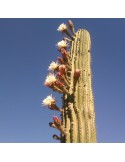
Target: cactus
<point>71,76</point>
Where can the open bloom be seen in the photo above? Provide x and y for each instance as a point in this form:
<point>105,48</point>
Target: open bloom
<point>62,44</point>
<point>50,79</point>
<point>49,101</point>
<point>62,27</point>
<point>53,66</point>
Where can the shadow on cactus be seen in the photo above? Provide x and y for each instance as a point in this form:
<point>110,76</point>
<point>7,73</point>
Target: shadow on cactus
<point>71,75</point>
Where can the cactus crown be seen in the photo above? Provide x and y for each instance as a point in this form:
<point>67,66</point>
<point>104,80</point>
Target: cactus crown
<point>71,76</point>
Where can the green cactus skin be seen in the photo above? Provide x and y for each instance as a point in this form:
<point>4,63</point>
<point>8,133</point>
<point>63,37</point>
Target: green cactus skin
<point>78,116</point>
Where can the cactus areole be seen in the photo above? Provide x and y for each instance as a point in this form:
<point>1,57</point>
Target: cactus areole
<point>72,77</point>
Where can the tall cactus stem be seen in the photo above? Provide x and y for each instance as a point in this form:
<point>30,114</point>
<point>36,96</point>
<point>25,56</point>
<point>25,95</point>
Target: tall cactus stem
<point>74,81</point>
<point>82,88</point>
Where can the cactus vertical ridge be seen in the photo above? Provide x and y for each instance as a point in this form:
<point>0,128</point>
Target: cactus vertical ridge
<point>73,126</point>
<point>67,121</point>
<point>80,117</point>
<point>75,108</point>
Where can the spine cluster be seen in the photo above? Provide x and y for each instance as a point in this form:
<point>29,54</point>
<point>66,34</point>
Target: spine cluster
<point>71,76</point>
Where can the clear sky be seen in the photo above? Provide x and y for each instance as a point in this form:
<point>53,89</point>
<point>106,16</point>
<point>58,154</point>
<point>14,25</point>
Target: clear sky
<point>27,47</point>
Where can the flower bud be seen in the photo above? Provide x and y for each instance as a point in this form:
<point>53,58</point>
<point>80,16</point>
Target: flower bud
<point>57,121</point>
<point>70,23</point>
<point>77,73</point>
<point>59,84</point>
<point>60,60</point>
<point>71,26</point>
<point>49,101</point>
<point>52,125</point>
<point>62,68</point>
<point>56,137</point>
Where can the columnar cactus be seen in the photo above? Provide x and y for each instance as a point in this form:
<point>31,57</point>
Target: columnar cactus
<point>71,76</point>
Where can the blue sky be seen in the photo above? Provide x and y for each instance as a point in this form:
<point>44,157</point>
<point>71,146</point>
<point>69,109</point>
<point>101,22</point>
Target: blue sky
<point>27,47</point>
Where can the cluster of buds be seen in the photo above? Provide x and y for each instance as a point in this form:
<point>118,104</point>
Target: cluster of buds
<point>63,77</point>
<point>58,78</point>
<point>65,56</point>
<point>65,59</point>
<point>57,124</point>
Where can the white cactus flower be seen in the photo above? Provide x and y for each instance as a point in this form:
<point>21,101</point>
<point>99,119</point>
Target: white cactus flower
<point>48,101</point>
<point>50,79</point>
<point>53,66</point>
<point>62,27</point>
<point>62,44</point>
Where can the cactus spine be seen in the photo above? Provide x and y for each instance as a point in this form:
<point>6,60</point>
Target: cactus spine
<point>78,116</point>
